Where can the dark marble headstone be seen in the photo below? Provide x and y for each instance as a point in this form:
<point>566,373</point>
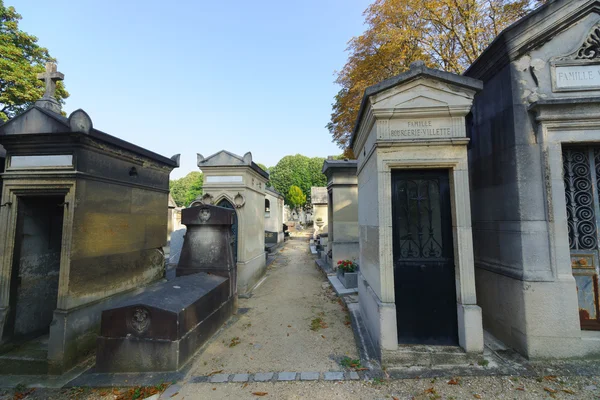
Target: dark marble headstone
<point>208,243</point>
<point>270,237</point>
<point>160,329</point>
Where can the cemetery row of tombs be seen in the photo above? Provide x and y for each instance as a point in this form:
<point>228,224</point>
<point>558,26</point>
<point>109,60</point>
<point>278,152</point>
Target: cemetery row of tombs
<point>473,202</point>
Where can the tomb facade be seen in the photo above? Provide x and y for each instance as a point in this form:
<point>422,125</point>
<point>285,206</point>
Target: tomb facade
<point>319,199</point>
<point>534,160</point>
<point>342,190</point>
<point>238,183</point>
<point>273,217</point>
<point>84,221</point>
<point>416,279</point>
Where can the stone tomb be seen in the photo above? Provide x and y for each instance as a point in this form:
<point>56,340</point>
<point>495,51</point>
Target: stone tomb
<point>416,278</point>
<point>534,164</point>
<point>84,221</point>
<point>319,200</point>
<point>162,328</point>
<point>273,219</point>
<point>342,189</point>
<point>238,183</point>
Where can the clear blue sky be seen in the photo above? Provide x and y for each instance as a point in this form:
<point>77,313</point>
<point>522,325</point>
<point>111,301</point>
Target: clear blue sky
<point>200,76</point>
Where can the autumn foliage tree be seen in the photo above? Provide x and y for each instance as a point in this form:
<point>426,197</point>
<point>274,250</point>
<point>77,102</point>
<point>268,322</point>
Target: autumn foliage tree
<point>21,59</point>
<point>446,34</point>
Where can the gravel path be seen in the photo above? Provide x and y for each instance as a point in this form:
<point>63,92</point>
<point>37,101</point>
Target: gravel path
<point>293,323</point>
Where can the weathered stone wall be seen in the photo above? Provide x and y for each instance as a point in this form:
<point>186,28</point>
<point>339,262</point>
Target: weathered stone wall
<point>528,300</point>
<point>344,216</point>
<point>274,220</point>
<point>118,233</point>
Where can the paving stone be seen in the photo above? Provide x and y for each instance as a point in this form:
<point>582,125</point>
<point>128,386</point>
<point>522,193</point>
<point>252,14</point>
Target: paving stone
<point>200,379</point>
<point>219,378</point>
<point>287,376</point>
<point>240,378</point>
<point>352,375</point>
<point>334,376</point>
<point>309,376</point>
<point>263,377</point>
<point>170,392</point>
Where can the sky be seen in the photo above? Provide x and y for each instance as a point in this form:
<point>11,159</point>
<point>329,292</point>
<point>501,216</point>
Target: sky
<point>201,76</point>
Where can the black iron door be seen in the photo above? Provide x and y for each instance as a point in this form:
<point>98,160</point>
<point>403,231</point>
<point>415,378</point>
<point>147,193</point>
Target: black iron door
<point>423,258</point>
<point>581,173</point>
<point>234,228</point>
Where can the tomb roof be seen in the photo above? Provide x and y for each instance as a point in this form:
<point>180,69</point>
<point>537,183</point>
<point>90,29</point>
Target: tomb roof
<point>39,120</point>
<point>417,70</point>
<point>529,32</point>
<point>331,164</point>
<point>274,192</point>
<point>225,158</point>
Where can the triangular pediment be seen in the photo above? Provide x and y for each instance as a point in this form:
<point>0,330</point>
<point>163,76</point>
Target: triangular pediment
<point>424,93</point>
<point>35,120</point>
<point>222,158</point>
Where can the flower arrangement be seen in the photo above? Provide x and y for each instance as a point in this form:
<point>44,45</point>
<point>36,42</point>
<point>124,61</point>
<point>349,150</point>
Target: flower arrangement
<point>347,265</point>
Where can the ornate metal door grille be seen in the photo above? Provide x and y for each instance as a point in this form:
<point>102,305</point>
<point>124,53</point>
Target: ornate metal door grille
<point>424,278</point>
<point>582,179</point>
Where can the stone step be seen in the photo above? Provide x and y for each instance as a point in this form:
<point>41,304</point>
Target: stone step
<point>424,355</point>
<point>29,358</point>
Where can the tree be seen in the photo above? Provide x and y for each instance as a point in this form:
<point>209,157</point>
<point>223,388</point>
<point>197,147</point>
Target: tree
<point>187,189</point>
<point>295,197</point>
<point>300,171</point>
<point>21,59</point>
<point>446,34</point>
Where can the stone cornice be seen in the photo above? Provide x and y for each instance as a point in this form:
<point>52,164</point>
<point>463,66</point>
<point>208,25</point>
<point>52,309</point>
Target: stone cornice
<point>530,32</point>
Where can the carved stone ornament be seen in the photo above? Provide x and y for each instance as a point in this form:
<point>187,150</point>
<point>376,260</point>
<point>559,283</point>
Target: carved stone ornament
<point>140,319</point>
<point>239,200</point>
<point>204,214</point>
<point>208,199</point>
<point>590,49</point>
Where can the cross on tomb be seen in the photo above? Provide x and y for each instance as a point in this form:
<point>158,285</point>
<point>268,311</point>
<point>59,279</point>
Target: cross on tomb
<point>50,77</point>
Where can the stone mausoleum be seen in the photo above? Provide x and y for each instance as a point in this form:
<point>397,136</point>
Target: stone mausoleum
<point>342,191</point>
<point>84,221</point>
<point>273,217</point>
<point>534,161</point>
<point>417,278</point>
<point>238,183</point>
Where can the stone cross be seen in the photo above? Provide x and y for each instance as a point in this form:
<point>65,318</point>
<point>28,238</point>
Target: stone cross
<point>50,77</point>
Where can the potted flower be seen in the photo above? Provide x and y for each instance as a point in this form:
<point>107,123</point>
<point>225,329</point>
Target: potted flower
<point>347,273</point>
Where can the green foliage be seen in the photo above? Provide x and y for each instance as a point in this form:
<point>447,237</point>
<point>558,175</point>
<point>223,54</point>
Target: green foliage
<point>21,59</point>
<point>295,197</point>
<point>185,190</point>
<point>300,171</point>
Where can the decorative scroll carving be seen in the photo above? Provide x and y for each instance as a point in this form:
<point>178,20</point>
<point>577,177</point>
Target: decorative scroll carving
<point>590,49</point>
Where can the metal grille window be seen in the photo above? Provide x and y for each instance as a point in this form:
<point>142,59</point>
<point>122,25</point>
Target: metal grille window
<point>581,172</point>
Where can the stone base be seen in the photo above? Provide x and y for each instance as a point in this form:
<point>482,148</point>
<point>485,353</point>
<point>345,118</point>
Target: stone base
<point>429,356</point>
<point>348,279</point>
<point>176,319</point>
<point>538,319</point>
<point>250,272</point>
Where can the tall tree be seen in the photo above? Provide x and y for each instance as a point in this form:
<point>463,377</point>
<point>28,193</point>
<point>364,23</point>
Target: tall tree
<point>446,34</point>
<point>295,197</point>
<point>300,171</point>
<point>21,59</point>
<point>185,190</point>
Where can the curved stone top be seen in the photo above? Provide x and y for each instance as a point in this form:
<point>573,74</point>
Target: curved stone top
<point>207,215</point>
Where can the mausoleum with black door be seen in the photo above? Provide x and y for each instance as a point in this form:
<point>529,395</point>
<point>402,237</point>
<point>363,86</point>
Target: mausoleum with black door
<point>417,280</point>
